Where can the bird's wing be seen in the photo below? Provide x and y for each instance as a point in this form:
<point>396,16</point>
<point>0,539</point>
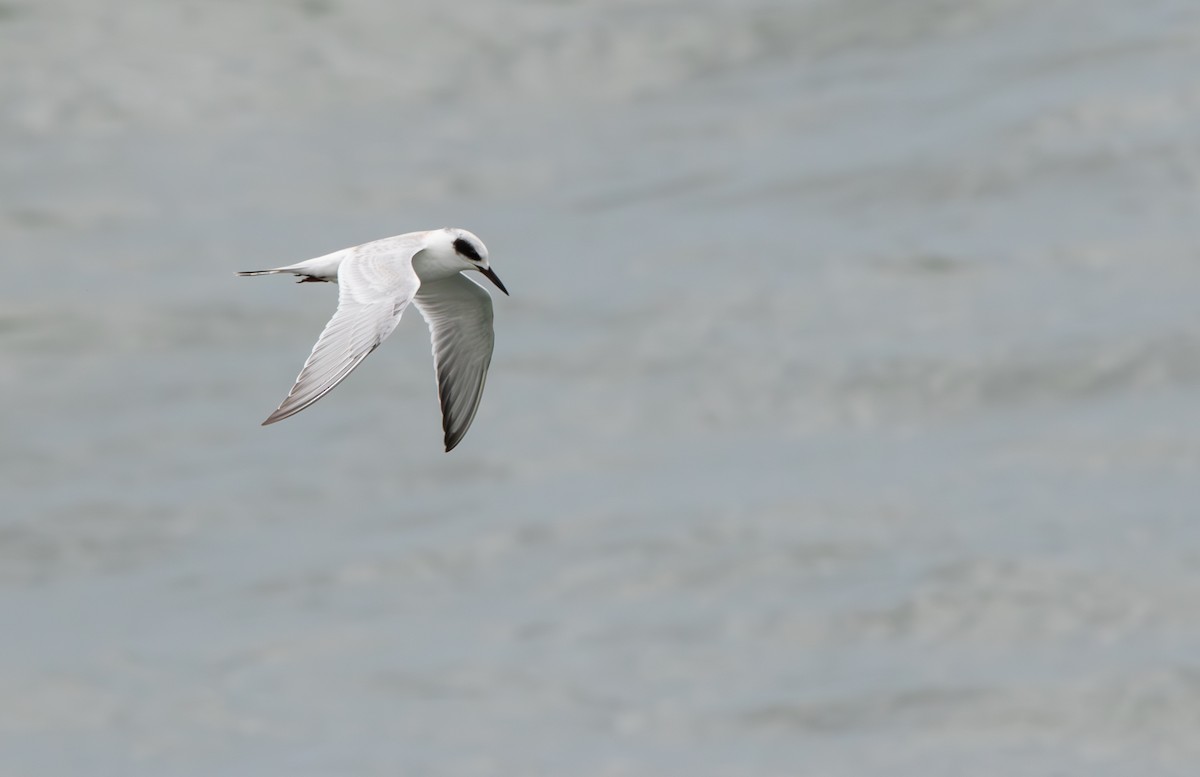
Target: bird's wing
<point>375,284</point>
<point>459,314</point>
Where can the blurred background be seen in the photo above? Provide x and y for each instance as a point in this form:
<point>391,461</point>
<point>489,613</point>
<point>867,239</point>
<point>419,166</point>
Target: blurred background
<point>842,420</point>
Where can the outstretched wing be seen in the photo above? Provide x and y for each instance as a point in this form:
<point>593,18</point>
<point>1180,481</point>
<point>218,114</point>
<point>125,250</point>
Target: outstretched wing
<point>459,314</point>
<point>375,286</point>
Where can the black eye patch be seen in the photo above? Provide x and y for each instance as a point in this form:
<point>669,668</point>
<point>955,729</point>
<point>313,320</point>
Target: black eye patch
<point>466,249</point>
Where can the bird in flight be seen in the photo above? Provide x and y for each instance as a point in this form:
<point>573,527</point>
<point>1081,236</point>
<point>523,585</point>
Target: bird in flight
<point>377,281</point>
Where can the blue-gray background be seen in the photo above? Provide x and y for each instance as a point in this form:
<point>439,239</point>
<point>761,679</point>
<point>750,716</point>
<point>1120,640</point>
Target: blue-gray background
<point>843,420</point>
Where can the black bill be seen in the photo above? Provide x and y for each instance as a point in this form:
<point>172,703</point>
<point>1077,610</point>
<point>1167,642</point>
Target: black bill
<point>491,275</point>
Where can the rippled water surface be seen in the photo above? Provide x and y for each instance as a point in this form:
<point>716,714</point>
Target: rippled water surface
<point>843,420</point>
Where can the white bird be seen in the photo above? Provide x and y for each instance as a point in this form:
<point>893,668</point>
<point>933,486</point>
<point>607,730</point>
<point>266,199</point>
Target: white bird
<point>376,282</point>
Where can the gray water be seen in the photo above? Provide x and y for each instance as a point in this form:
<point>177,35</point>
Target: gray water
<point>842,420</point>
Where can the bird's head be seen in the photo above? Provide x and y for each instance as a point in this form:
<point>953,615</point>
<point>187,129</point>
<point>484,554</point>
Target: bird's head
<point>473,254</point>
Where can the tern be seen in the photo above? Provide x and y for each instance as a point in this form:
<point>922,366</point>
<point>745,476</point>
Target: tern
<point>376,282</point>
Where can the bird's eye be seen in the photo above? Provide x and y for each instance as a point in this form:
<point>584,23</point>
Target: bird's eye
<point>467,250</point>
